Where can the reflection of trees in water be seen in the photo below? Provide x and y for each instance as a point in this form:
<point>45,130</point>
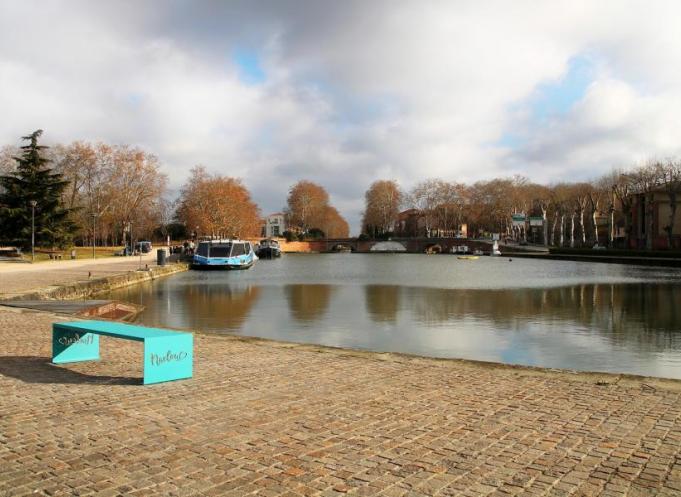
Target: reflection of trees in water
<point>382,302</point>
<point>639,311</point>
<point>308,302</point>
<point>217,307</point>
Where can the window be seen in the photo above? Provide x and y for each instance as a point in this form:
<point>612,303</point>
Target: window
<point>238,250</point>
<point>220,250</point>
<point>275,230</point>
<point>203,249</point>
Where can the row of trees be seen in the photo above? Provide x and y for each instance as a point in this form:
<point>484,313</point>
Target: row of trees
<point>108,194</point>
<point>570,212</point>
<point>216,205</point>
<point>98,190</point>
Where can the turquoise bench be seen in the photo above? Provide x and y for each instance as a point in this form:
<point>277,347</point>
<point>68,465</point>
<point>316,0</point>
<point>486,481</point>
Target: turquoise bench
<point>168,355</point>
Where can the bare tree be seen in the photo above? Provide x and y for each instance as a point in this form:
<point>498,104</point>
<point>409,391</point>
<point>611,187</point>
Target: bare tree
<point>425,198</point>
<point>596,196</point>
<point>306,205</point>
<point>382,205</point>
<point>580,199</point>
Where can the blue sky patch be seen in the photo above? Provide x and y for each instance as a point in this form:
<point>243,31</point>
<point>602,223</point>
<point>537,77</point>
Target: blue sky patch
<point>509,140</point>
<point>557,98</point>
<point>554,98</point>
<point>135,99</point>
<point>248,65</point>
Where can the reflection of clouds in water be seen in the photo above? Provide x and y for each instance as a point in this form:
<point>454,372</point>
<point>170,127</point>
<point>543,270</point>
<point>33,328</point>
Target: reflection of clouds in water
<point>633,328</point>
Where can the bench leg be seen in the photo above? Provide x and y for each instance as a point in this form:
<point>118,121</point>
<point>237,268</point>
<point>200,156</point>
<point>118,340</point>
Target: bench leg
<point>73,346</point>
<point>168,358</point>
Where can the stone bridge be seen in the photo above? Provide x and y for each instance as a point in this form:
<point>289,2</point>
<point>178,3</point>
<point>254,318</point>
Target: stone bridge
<point>411,245</point>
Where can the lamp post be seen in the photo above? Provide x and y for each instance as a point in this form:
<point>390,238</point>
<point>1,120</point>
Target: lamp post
<point>611,235</point>
<point>33,204</point>
<point>94,234</point>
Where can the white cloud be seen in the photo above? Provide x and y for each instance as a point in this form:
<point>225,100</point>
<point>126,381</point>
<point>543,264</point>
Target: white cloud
<point>354,91</point>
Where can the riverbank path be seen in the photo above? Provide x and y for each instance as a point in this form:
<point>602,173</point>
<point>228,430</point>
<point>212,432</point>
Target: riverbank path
<point>17,278</point>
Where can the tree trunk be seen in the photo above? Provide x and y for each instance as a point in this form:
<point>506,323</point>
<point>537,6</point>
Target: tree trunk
<point>581,224</point>
<point>593,219</point>
<point>553,231</point>
<point>572,230</point>
<point>562,229</point>
<point>545,227</point>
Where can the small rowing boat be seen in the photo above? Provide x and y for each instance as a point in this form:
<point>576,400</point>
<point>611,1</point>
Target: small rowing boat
<point>469,257</point>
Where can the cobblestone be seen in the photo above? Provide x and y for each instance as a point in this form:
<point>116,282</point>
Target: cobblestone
<point>272,419</point>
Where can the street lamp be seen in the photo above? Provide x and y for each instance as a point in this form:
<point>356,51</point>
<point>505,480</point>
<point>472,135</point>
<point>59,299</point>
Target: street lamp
<point>33,204</point>
<point>132,245</point>
<point>611,235</point>
<point>94,234</point>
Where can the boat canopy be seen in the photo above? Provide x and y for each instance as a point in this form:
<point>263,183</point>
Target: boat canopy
<point>221,249</point>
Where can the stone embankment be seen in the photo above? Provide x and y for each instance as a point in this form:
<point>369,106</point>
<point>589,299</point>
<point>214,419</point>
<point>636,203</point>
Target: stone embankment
<point>78,279</point>
<point>89,288</point>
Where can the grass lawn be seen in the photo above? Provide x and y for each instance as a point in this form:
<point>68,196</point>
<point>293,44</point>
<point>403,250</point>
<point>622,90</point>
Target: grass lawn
<point>81,253</point>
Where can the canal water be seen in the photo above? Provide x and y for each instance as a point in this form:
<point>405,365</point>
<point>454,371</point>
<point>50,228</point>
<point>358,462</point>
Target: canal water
<point>558,314</point>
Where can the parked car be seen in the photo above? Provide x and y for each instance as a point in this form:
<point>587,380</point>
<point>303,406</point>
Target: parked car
<point>143,246</point>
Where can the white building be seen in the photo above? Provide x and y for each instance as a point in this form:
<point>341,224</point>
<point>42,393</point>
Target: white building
<point>275,225</point>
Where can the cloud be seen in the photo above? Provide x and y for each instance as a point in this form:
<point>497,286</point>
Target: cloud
<point>344,93</point>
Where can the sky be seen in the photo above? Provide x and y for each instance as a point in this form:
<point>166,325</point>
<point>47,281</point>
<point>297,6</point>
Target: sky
<point>345,93</point>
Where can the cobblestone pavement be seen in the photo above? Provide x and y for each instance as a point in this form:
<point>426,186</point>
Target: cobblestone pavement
<point>18,278</point>
<point>274,419</point>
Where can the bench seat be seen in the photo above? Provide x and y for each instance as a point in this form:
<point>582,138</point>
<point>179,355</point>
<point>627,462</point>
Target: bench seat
<point>168,355</point>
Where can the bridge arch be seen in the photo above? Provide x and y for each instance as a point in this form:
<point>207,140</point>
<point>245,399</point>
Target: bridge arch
<point>389,246</point>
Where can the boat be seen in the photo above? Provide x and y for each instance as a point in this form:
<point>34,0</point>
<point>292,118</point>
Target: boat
<point>433,249</point>
<point>469,257</point>
<point>224,254</point>
<point>268,249</point>
<point>341,249</point>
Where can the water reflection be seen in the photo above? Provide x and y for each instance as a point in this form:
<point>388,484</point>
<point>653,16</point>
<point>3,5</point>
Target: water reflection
<point>382,302</point>
<point>308,303</point>
<point>617,307</point>
<point>218,307</point>
<point>203,307</point>
<point>630,324</point>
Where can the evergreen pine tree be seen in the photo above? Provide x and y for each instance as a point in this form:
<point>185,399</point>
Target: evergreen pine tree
<point>34,180</point>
